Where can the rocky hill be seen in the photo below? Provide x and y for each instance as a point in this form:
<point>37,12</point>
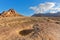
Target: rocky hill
<point>47,15</point>
<point>9,13</point>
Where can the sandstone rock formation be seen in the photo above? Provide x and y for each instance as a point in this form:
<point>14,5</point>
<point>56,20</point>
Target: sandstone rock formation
<point>9,13</point>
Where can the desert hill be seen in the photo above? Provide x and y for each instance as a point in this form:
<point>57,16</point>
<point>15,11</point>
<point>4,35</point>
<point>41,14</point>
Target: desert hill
<point>9,13</point>
<point>29,28</point>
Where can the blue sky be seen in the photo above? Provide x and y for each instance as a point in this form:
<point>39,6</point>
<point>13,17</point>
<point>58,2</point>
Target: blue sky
<point>22,6</point>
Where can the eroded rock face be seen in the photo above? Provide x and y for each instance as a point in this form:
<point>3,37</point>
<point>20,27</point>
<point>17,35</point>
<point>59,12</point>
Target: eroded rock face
<point>10,13</point>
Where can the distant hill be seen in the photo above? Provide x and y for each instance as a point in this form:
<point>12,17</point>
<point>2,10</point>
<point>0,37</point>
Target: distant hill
<point>9,13</point>
<point>47,15</point>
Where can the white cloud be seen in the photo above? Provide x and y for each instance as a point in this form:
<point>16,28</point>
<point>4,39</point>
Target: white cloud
<point>53,12</point>
<point>58,9</point>
<point>45,7</point>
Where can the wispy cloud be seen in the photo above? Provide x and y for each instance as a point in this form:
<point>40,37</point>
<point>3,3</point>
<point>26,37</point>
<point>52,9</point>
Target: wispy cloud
<point>45,7</point>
